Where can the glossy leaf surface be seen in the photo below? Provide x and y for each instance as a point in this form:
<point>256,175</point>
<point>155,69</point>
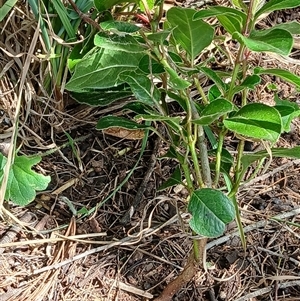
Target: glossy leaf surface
<point>256,120</point>
<point>211,210</point>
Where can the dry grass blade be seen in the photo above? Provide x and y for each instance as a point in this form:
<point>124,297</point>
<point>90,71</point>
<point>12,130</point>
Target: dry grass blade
<point>11,151</point>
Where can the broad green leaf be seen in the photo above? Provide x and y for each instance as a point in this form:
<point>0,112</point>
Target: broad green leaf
<point>250,82</point>
<point>77,53</point>
<point>176,82</point>
<point>292,27</point>
<point>280,152</point>
<point>283,74</point>
<point>139,108</point>
<point>121,43</point>
<point>100,68</point>
<point>215,78</point>
<point>240,4</point>
<point>175,179</point>
<point>119,27</point>
<point>103,97</point>
<point>210,136</point>
<point>143,89</point>
<point>23,182</point>
<point>214,93</point>
<point>175,57</point>
<point>103,5</point>
<point>256,120</point>
<point>150,4</point>
<point>231,23</point>
<point>288,111</point>
<point>257,5</point>
<point>178,99</point>
<point>214,111</point>
<point>271,40</point>
<point>110,121</point>
<point>215,11</point>
<point>211,210</point>
<point>160,36</point>
<point>6,7</point>
<point>192,36</point>
<point>150,68</point>
<point>273,5</point>
<point>287,115</point>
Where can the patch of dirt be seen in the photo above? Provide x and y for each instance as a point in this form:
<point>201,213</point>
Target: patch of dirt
<point>57,256</point>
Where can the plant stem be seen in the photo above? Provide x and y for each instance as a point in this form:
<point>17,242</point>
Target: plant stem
<point>200,90</point>
<point>187,175</point>
<point>192,148</point>
<point>206,172</point>
<point>219,156</point>
<point>199,246</point>
<point>202,146</point>
<point>238,166</point>
<point>235,72</point>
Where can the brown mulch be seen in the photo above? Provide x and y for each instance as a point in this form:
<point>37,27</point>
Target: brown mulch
<point>61,255</point>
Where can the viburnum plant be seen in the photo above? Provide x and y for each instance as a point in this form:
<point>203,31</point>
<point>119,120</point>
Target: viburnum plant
<point>169,60</point>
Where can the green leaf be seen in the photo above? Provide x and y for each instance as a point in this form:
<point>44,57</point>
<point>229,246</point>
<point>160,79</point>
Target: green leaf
<point>215,11</point>
<point>288,111</point>
<point>150,4</point>
<point>292,27</point>
<point>77,53</point>
<point>273,5</point>
<point>175,57</point>
<point>178,99</point>
<point>103,97</point>
<point>240,4</point>
<point>84,6</point>
<point>271,40</point>
<point>215,78</point>
<point>100,68</point>
<point>214,111</point>
<point>287,114</point>
<point>103,5</point>
<point>256,120</point>
<point>116,42</point>
<point>6,7</point>
<point>64,17</point>
<point>250,82</point>
<point>192,36</point>
<point>280,152</point>
<point>211,210</point>
<point>214,93</point>
<point>139,108</point>
<point>283,74</point>
<point>176,82</point>
<point>152,67</point>
<point>110,121</point>
<point>231,23</point>
<point>175,179</point>
<point>160,36</point>
<point>23,182</point>
<point>143,89</point>
<point>119,27</point>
